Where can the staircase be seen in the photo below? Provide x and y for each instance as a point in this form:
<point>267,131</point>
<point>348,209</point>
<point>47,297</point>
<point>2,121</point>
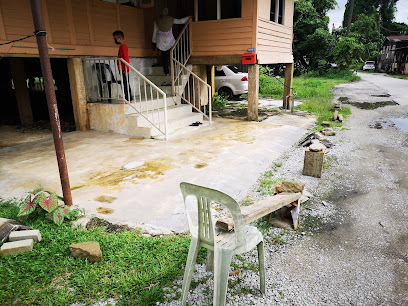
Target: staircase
<point>151,110</point>
<point>178,115</point>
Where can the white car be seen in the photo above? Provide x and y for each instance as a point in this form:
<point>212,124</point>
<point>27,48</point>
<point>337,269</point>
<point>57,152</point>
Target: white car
<point>229,81</point>
<point>370,65</point>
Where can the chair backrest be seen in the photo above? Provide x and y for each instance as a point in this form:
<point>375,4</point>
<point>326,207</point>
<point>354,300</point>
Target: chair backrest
<point>205,196</point>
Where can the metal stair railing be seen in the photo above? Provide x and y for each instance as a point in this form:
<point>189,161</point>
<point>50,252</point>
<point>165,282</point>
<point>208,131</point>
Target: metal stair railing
<point>193,90</point>
<point>144,97</point>
<point>184,83</point>
<point>181,52</point>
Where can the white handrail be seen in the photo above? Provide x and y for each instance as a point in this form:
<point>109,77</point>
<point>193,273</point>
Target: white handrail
<point>102,73</point>
<point>181,51</point>
<point>185,91</point>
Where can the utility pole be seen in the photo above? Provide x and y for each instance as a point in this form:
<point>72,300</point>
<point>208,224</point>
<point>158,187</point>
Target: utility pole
<point>351,8</point>
<point>41,36</point>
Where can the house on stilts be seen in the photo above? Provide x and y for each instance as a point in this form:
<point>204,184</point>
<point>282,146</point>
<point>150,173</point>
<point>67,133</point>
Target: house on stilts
<point>90,89</point>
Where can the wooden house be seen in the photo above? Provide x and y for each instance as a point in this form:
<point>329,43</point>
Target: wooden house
<point>394,55</point>
<point>221,31</point>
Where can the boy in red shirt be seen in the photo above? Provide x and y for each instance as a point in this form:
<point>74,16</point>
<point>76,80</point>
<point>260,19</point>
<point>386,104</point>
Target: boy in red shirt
<point>119,38</point>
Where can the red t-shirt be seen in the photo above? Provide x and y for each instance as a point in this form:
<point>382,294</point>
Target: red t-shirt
<point>123,53</point>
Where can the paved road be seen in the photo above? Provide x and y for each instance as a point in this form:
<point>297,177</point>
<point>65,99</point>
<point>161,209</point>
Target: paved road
<point>397,88</point>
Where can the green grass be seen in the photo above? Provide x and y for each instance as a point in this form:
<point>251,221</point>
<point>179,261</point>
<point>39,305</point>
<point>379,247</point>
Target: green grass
<point>313,89</point>
<point>134,268</point>
<point>398,76</point>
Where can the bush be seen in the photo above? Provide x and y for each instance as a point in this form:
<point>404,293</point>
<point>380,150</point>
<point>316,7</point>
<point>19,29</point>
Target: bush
<point>219,101</point>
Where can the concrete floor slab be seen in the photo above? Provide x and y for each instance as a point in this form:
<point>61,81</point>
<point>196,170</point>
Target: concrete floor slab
<point>228,155</point>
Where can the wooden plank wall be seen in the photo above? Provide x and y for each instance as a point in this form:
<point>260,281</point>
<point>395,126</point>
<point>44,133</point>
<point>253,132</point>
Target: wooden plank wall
<point>75,27</point>
<point>227,36</point>
<point>274,43</point>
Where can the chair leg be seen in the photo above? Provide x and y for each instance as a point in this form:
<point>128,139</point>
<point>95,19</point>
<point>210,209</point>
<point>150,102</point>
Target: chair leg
<point>188,272</point>
<point>210,261</point>
<point>261,260</point>
<point>222,261</point>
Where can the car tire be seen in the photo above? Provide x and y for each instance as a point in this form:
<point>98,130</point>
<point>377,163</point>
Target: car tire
<point>225,92</point>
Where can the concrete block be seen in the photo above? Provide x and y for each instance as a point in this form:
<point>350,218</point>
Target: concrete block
<point>15,247</point>
<point>23,235</point>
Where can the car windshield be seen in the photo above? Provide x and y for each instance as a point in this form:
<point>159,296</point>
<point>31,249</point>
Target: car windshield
<point>234,69</point>
<point>369,63</point>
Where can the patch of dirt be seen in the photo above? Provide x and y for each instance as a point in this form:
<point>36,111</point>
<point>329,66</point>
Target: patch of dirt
<point>105,199</point>
<point>371,105</point>
<point>109,227</point>
<point>152,169</point>
<point>201,165</point>
<point>105,211</point>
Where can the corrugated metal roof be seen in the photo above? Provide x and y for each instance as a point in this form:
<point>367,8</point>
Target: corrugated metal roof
<point>398,38</point>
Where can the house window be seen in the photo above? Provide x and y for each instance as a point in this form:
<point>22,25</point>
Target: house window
<point>277,13</point>
<point>218,9</point>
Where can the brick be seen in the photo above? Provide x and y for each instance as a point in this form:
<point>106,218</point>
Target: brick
<point>23,235</point>
<point>15,247</point>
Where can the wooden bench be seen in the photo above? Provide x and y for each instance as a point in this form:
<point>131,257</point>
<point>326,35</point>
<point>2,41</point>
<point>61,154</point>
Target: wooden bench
<point>262,208</point>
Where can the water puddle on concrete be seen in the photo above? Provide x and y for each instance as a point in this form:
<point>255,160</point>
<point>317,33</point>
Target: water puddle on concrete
<point>371,105</point>
<point>201,165</point>
<point>400,123</point>
<point>105,199</point>
<point>382,95</point>
<point>104,210</point>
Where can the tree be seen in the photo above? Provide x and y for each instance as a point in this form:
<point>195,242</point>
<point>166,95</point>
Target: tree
<point>347,51</point>
<point>312,40</point>
<point>386,9</point>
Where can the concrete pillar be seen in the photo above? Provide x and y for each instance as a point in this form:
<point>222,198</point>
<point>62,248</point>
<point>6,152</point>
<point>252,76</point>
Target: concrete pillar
<point>288,85</point>
<point>253,92</point>
<point>21,90</point>
<point>78,93</point>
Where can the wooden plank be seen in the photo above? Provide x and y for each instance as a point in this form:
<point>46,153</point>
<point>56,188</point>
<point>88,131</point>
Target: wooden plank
<point>212,59</point>
<point>259,209</point>
<point>90,25</point>
<point>2,30</point>
<point>46,19</point>
<point>287,91</point>
<point>223,42</point>
<point>253,92</point>
<point>70,21</point>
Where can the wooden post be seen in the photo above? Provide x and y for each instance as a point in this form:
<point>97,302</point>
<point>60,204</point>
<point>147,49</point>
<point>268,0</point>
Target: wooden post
<point>288,85</point>
<point>253,92</point>
<point>78,93</point>
<point>212,83</point>
<point>21,90</point>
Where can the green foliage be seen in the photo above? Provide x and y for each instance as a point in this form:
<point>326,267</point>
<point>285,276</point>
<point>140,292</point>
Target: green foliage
<point>42,200</point>
<point>366,33</point>
<point>386,10</point>
<point>134,269</point>
<point>347,51</point>
<point>312,39</point>
<point>219,101</point>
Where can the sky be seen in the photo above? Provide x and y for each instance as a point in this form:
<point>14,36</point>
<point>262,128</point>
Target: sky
<point>336,15</point>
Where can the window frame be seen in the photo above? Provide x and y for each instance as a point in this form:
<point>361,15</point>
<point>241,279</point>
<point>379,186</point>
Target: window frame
<point>218,11</point>
<point>276,11</point>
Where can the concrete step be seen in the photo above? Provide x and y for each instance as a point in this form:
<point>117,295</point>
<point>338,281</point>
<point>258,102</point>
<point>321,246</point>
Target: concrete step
<point>159,79</point>
<point>144,106</point>
<point>153,71</point>
<point>175,124</point>
<point>173,112</point>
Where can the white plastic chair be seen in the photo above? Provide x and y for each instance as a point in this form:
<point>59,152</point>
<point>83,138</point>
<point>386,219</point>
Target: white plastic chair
<point>220,245</point>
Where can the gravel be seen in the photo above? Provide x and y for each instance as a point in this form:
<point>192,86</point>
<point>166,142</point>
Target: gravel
<point>351,247</point>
